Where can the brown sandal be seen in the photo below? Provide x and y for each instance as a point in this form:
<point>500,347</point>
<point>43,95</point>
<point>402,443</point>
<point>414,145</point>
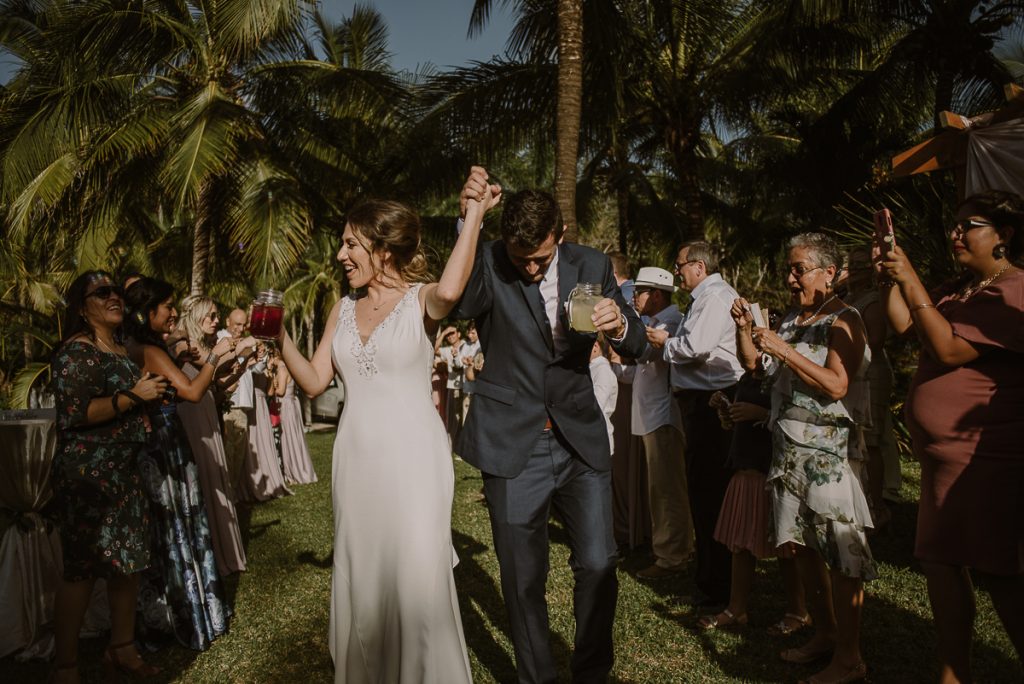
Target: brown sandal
<point>133,665</point>
<point>710,622</point>
<point>784,627</point>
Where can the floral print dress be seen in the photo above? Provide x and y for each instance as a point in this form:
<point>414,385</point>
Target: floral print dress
<point>102,511</point>
<point>817,501</point>
<point>182,593</point>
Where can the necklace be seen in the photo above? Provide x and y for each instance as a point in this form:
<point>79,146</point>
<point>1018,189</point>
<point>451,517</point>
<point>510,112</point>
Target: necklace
<point>970,291</point>
<point>107,348</point>
<point>817,311</point>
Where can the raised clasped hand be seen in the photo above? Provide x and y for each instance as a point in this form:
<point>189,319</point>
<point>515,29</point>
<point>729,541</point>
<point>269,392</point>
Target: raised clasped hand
<point>768,342</point>
<point>478,194</point>
<point>607,318</point>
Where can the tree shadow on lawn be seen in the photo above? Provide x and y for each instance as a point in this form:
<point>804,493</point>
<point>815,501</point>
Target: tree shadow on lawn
<point>483,609</point>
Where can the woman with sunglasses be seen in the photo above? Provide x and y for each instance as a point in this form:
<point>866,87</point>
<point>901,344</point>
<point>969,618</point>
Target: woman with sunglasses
<point>201,420</point>
<point>103,514</point>
<point>817,366</point>
<point>182,595</point>
<point>964,414</point>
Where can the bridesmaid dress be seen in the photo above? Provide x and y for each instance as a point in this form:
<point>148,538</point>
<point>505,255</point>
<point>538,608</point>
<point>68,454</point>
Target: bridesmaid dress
<point>262,479</point>
<point>298,468</point>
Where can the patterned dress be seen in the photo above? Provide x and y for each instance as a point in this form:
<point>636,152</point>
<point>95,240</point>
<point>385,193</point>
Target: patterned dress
<point>182,593</point>
<point>817,501</point>
<point>102,510</point>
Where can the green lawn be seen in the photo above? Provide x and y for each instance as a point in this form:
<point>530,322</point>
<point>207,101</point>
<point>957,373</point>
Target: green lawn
<point>279,632</point>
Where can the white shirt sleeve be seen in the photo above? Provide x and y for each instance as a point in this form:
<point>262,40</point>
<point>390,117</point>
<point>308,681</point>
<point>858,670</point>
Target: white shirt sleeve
<point>700,331</point>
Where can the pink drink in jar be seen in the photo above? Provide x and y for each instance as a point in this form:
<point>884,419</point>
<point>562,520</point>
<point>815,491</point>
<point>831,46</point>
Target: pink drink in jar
<point>267,315</point>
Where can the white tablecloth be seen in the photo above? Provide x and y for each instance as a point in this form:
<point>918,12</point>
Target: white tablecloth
<point>30,560</point>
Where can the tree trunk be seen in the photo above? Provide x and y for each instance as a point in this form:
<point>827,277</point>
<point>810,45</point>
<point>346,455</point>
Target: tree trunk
<point>200,256</point>
<point>570,92</point>
<point>689,186</point>
<point>307,405</point>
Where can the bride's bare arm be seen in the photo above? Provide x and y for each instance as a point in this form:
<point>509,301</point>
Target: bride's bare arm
<point>314,375</point>
<point>478,196</point>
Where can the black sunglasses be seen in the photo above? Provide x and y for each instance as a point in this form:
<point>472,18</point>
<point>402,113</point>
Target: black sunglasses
<point>105,291</point>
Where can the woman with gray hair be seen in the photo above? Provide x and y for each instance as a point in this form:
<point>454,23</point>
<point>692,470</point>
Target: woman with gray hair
<point>816,362</point>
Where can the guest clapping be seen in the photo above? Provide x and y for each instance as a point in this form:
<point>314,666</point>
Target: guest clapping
<point>102,511</point>
<point>964,415</point>
<point>819,509</point>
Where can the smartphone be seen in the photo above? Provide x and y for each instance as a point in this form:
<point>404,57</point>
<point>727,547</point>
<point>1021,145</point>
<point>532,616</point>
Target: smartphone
<point>755,312</point>
<point>885,236</point>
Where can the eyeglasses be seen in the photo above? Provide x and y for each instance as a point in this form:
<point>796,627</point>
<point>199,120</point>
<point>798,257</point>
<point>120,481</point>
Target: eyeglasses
<point>800,271</point>
<point>213,316</point>
<point>641,291</point>
<point>106,292</point>
<point>961,228</point>
<point>680,264</point>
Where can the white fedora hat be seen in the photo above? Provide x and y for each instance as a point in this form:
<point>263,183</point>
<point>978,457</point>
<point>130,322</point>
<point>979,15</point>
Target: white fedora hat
<point>658,278</point>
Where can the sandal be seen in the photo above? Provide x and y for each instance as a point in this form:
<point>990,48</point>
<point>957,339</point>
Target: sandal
<point>709,622</point>
<point>132,665</point>
<point>786,626</point>
<point>806,654</point>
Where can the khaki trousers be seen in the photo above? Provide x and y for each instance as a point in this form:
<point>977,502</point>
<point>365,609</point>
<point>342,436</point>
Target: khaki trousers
<point>671,521</point>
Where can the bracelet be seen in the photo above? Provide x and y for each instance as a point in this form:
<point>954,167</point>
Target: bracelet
<point>113,402</point>
<point>915,307</point>
<point>136,399</point>
<point>212,359</point>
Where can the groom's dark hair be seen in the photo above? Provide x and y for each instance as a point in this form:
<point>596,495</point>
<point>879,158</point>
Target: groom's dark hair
<point>528,217</point>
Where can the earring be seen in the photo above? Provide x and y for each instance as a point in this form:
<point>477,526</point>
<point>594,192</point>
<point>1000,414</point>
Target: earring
<point>999,252</point>
<point>828,285</point>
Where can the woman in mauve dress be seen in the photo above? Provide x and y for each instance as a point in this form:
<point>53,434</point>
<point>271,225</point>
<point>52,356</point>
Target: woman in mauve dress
<point>965,418</point>
<point>295,460</point>
<point>202,425</point>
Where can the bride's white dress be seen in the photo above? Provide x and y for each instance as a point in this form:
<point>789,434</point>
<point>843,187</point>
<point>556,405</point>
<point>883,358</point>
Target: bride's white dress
<point>394,611</point>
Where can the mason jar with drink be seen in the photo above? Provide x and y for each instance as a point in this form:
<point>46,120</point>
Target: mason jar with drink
<point>582,300</point>
<point>267,315</point>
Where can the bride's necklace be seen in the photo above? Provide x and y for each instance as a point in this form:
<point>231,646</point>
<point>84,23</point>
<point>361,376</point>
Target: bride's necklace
<point>383,301</point>
<point>808,319</point>
<point>971,290</point>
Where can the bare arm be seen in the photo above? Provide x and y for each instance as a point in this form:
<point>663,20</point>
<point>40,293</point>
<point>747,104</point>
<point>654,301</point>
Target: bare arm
<point>478,196</point>
<point>933,330</point>
<point>157,361</point>
<point>845,355</point>
<point>314,375</point>
<point>746,352</point>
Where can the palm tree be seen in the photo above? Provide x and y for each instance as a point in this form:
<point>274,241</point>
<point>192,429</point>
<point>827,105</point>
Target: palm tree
<point>569,96</point>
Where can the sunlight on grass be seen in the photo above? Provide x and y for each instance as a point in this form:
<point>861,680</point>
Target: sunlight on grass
<point>279,632</point>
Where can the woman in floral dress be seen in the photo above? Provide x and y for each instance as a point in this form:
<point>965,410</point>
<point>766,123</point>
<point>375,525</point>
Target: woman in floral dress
<point>182,594</point>
<point>102,511</point>
<point>817,373</point>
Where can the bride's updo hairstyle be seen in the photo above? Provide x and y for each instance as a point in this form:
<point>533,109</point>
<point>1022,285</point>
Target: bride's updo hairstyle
<point>390,232</point>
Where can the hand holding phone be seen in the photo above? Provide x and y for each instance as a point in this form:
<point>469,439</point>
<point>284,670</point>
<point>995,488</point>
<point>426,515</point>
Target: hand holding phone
<point>885,236</point>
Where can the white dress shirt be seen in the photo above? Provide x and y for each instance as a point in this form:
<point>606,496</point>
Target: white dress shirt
<point>549,293</point>
<point>703,350</point>
<point>453,359</point>
<point>606,389</point>
<point>653,405</point>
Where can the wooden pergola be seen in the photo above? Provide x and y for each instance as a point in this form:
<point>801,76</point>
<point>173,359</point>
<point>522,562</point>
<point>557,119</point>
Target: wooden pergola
<point>948,149</point>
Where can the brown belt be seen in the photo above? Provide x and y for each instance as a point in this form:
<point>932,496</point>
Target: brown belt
<point>548,425</point>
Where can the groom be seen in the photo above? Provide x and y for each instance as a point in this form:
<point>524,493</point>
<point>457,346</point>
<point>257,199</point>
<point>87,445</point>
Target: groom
<point>535,429</point>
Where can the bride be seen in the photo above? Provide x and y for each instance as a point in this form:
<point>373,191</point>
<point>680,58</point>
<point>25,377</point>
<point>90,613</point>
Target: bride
<point>394,611</point>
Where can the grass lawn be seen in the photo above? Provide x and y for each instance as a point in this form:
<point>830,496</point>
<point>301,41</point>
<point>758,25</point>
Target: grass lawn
<point>279,631</point>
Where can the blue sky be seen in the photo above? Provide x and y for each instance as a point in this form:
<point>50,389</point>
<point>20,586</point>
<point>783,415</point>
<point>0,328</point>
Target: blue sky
<point>433,31</point>
<point>419,32</point>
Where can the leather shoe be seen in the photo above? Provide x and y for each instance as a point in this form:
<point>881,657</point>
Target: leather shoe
<point>656,572</point>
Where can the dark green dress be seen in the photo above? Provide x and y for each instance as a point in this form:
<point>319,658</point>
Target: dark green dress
<point>102,510</point>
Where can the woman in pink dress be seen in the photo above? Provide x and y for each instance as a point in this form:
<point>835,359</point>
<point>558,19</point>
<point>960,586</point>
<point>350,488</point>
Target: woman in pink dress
<point>964,415</point>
